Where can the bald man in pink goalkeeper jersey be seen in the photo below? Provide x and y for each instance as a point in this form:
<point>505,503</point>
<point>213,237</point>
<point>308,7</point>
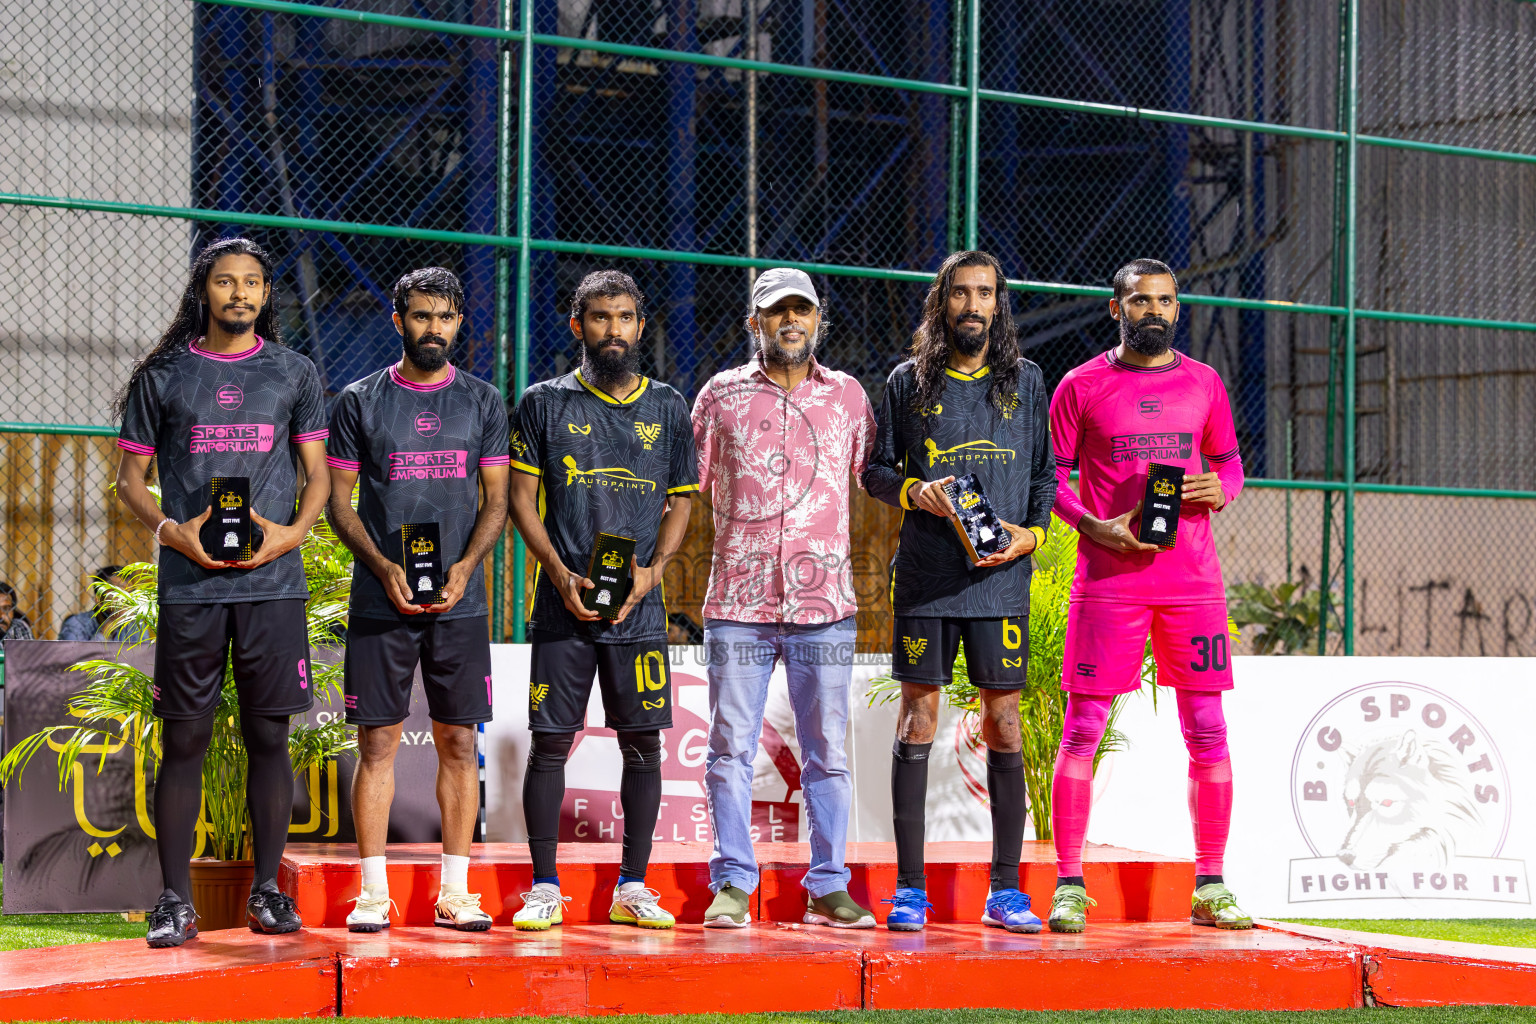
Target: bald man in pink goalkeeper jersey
<point>1144,402</point>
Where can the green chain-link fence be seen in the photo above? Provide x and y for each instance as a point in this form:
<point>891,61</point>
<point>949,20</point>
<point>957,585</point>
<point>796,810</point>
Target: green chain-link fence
<point>1343,185</point>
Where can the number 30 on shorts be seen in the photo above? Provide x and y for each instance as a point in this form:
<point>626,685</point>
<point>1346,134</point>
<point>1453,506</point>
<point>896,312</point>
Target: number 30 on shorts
<point>1210,651</point>
<point>650,671</point>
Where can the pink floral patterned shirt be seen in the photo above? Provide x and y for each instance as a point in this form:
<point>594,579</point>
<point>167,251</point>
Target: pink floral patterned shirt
<point>777,467</point>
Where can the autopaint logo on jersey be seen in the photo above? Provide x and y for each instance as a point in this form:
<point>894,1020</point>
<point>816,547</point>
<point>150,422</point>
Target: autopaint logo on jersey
<point>427,423</point>
<point>231,437</point>
<point>1152,447</point>
<point>229,397</point>
<point>970,451</point>
<point>649,433</point>
<point>428,465</point>
<point>614,477</point>
<point>1400,792</point>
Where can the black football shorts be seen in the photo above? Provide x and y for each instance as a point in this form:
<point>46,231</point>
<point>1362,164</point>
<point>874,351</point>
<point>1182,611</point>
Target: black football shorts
<point>455,660</point>
<point>923,651</point>
<point>266,643</point>
<point>635,680</point>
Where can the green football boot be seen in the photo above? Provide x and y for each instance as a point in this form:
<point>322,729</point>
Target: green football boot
<point>1069,909</point>
<point>1215,905</point>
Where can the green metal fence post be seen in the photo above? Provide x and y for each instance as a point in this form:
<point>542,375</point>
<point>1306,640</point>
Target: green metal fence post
<point>1352,150</point>
<point>1335,282</point>
<point>503,279</point>
<point>972,119</point>
<point>956,136</point>
<point>524,228</point>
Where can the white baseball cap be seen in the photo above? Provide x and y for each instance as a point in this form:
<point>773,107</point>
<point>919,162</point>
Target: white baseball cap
<point>778,283</point>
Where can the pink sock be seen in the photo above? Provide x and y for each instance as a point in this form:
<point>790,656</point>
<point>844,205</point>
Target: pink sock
<point>1210,776</point>
<point>1071,799</point>
<point>1072,786</point>
<point>1210,811</point>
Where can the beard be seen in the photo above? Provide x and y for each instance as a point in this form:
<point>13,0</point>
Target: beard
<point>236,327</point>
<point>969,337</point>
<point>605,370</point>
<point>427,360</point>
<point>776,354</point>
<point>1149,336</point>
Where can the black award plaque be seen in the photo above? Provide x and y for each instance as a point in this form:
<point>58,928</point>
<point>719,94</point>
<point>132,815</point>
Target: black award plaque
<point>226,536</point>
<point>1160,505</point>
<point>981,532</point>
<point>610,571</point>
<point>421,552</point>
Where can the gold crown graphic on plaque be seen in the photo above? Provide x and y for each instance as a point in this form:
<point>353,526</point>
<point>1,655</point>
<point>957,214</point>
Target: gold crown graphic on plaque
<point>421,546</point>
<point>1164,488</point>
<point>970,499</point>
<point>613,560</point>
<point>228,500</point>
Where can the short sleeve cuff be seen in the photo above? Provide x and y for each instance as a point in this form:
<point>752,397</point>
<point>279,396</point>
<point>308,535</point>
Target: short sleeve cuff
<point>310,435</point>
<point>346,464</point>
<point>134,447</point>
<point>496,460</point>
<point>524,467</point>
<point>683,489</point>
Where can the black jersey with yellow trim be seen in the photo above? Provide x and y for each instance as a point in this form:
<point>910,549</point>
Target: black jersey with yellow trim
<point>605,465</point>
<point>1008,450</point>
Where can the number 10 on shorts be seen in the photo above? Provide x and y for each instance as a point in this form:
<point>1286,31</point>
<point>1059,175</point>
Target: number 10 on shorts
<point>650,671</point>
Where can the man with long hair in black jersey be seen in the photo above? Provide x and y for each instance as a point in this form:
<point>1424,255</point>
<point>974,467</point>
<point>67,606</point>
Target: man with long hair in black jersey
<point>219,396</point>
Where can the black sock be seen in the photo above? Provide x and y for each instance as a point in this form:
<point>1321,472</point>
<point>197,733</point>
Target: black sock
<point>268,792</point>
<point>179,799</point>
<point>1070,880</point>
<point>640,796</point>
<point>909,798</point>
<point>1009,800</point>
<point>543,792</point>
<point>1207,880</point>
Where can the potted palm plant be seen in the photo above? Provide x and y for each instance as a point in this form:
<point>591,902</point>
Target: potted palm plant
<point>1042,704</point>
<point>116,703</point>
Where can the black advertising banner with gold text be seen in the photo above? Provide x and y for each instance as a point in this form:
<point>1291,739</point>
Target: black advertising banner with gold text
<point>91,848</point>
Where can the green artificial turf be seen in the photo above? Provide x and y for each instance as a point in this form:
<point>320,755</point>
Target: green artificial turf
<point>1489,931</point>
<point>28,931</point>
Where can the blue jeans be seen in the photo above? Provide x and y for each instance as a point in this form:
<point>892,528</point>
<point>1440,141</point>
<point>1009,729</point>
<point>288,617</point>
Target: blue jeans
<point>818,661</point>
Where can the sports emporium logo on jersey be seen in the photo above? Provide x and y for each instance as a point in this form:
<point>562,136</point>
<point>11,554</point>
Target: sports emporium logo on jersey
<point>427,423</point>
<point>229,397</point>
<point>1399,792</point>
<point>1152,447</point>
<point>428,465</point>
<point>231,437</point>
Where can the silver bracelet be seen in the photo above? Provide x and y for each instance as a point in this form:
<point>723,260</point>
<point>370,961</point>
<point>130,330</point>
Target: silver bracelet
<point>167,519</point>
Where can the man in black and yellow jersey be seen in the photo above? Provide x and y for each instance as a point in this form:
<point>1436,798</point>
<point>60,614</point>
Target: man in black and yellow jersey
<point>964,403</point>
<point>600,450</point>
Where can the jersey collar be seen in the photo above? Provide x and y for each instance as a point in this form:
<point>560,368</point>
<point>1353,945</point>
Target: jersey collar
<point>629,399</point>
<point>968,376</point>
<point>394,375</point>
<point>221,357</point>
<point>1119,364</point>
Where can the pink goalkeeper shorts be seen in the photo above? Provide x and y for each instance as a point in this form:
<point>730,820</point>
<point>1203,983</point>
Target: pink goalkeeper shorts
<point>1106,642</point>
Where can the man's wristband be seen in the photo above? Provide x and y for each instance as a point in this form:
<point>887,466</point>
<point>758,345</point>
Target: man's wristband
<point>160,527</point>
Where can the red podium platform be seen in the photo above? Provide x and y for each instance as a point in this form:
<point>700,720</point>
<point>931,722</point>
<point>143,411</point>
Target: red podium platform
<point>1140,951</point>
<point>1130,886</point>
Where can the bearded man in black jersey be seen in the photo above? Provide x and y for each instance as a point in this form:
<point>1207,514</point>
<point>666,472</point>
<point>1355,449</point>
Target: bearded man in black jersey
<point>424,444</point>
<point>219,402</point>
<point>965,404</point>
<point>602,450</point>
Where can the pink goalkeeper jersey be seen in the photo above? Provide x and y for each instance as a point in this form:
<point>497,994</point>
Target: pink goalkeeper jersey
<point>1108,420</point>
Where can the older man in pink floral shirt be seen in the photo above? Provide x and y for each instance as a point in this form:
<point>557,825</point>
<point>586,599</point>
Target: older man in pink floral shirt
<point>779,440</point>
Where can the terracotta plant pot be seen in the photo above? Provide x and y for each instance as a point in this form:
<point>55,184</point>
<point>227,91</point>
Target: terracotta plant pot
<point>219,891</point>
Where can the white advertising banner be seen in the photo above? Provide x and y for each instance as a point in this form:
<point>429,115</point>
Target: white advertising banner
<point>957,775</point>
<point>1365,787</point>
